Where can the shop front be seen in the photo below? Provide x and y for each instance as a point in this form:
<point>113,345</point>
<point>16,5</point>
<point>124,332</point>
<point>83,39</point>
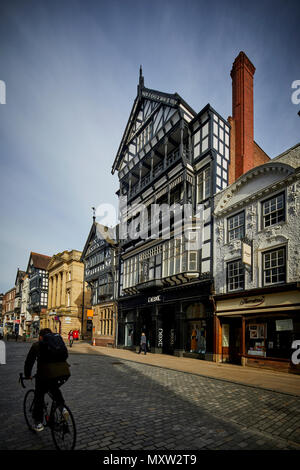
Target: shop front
<point>177,321</point>
<point>35,327</point>
<point>258,330</point>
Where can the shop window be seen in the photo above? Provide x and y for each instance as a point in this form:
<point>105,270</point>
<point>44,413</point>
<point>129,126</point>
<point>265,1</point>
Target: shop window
<point>272,338</point>
<point>274,269</point>
<point>236,227</point>
<point>197,336</point>
<point>235,276</point>
<point>257,333</point>
<point>273,210</point>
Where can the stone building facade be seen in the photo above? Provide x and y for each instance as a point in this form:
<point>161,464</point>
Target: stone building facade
<point>68,296</point>
<point>8,311</point>
<point>257,265</point>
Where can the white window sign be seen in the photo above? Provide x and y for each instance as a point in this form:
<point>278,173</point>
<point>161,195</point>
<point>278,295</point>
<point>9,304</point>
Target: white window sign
<point>284,325</point>
<point>225,336</point>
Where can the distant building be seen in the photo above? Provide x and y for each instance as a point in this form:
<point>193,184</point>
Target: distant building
<point>17,310</point>
<point>26,318</point>
<point>1,304</point>
<point>8,311</point>
<point>68,295</point>
<point>100,260</point>
<point>257,265</point>
<point>38,291</point>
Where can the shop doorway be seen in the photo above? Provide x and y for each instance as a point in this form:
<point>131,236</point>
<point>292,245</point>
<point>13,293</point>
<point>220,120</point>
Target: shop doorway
<point>169,332</point>
<point>145,327</point>
<point>232,341</point>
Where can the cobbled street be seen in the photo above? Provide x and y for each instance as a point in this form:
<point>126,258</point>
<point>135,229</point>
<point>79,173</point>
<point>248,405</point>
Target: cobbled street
<point>119,404</point>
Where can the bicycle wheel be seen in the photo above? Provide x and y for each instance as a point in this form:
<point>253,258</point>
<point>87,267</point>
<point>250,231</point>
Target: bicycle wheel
<point>63,430</point>
<point>28,408</point>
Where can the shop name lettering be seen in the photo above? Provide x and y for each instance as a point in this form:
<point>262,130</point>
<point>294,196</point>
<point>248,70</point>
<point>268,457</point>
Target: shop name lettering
<point>258,300</point>
<point>160,338</point>
<point>163,99</point>
<point>296,354</point>
<point>157,298</point>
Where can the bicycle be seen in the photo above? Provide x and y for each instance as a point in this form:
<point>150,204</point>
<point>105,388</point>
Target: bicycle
<point>63,430</point>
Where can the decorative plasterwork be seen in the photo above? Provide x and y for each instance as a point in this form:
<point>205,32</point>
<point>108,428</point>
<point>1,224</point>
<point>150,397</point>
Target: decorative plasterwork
<point>223,207</point>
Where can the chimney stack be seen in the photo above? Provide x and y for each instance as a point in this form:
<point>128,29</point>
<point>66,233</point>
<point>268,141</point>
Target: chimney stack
<point>242,135</point>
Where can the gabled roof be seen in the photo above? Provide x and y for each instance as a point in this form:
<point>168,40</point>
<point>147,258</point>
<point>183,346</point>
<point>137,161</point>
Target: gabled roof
<point>102,232</point>
<point>172,100</point>
<point>20,274</point>
<point>89,238</point>
<point>64,257</point>
<point>39,261</point>
<point>257,182</point>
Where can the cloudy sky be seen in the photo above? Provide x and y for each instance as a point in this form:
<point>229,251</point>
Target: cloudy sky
<point>71,70</point>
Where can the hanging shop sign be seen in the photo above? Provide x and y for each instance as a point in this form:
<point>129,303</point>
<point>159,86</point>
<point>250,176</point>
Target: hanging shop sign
<point>247,253</point>
<point>160,338</point>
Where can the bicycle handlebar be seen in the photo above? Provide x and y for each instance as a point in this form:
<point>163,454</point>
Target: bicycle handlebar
<point>22,378</point>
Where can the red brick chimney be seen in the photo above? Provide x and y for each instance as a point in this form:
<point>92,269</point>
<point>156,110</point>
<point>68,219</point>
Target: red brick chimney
<point>242,112</point>
<point>245,154</point>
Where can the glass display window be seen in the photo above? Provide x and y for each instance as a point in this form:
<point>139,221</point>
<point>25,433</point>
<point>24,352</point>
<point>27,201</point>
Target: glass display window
<point>197,337</point>
<point>257,334</point>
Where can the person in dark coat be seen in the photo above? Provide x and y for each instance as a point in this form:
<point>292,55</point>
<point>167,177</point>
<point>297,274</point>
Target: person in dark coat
<point>143,344</point>
<point>49,377</point>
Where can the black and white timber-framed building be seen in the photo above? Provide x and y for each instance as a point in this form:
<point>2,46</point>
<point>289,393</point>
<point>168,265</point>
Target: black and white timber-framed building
<point>101,275</point>
<point>38,291</point>
<point>169,154</point>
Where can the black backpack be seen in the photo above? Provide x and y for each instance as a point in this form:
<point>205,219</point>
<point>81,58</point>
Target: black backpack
<point>53,348</point>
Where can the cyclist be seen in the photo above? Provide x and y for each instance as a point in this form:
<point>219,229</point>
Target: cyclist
<point>50,375</point>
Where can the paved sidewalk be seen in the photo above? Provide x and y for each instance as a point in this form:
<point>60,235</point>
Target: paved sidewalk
<point>266,379</point>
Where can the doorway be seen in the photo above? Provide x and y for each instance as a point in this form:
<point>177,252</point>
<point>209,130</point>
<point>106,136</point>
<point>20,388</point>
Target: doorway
<point>232,341</point>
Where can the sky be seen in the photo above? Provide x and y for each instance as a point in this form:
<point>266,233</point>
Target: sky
<point>71,71</point>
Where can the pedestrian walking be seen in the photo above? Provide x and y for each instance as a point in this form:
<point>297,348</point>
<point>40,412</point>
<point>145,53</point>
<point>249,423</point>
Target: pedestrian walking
<point>143,344</point>
<point>75,335</point>
<point>70,338</point>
